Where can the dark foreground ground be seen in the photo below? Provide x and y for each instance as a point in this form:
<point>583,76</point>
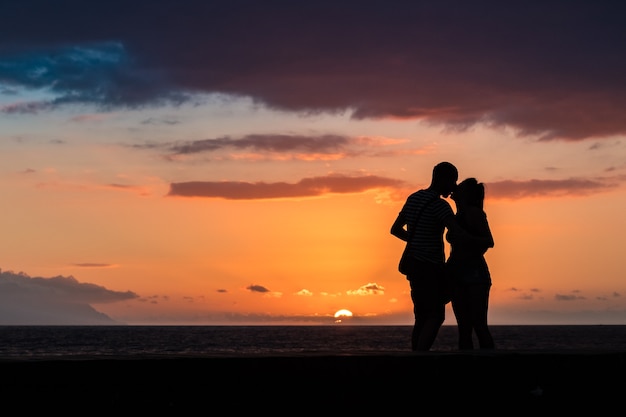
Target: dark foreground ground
<point>494,383</point>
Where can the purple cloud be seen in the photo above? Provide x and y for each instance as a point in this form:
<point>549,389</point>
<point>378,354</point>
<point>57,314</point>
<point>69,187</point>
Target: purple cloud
<point>551,69</point>
<point>307,187</point>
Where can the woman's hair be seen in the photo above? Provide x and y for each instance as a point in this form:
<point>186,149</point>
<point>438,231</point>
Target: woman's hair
<point>474,192</point>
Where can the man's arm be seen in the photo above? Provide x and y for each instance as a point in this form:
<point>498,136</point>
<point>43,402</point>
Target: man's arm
<point>397,228</point>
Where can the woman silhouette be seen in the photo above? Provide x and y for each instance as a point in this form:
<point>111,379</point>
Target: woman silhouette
<point>469,273</point>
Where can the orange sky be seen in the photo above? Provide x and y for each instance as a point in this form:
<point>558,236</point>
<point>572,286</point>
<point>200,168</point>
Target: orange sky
<point>206,183</point>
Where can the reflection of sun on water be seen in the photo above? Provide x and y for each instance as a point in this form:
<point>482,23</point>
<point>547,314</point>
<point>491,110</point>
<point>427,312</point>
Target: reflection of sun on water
<point>343,313</point>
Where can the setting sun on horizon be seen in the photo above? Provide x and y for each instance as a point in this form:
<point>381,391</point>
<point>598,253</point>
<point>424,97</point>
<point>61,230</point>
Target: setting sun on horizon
<point>343,313</point>
<point>158,169</point>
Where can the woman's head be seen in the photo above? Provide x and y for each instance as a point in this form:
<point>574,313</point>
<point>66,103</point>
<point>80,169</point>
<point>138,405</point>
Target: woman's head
<point>469,192</point>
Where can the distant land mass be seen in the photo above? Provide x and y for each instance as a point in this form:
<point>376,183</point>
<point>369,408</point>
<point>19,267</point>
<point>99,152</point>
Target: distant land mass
<point>53,301</point>
<point>51,314</point>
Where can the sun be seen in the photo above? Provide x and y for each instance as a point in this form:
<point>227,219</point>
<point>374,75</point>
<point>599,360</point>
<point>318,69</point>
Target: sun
<point>343,313</point>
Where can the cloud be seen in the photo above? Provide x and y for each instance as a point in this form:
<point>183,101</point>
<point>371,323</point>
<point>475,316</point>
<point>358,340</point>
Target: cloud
<point>98,73</point>
<point>271,143</point>
<point>155,299</point>
<point>161,121</point>
<point>368,289</point>
<point>565,297</point>
<point>282,146</point>
<point>25,108</point>
<point>553,70</point>
<point>307,187</point>
<point>510,189</point>
<point>94,265</point>
<point>53,301</point>
<point>257,288</point>
<point>264,291</point>
<point>342,184</point>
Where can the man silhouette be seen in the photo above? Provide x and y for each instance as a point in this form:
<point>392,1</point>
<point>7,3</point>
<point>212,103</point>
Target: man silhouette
<point>425,245</point>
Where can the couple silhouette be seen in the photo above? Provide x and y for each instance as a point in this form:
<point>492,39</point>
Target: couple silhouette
<point>463,279</point>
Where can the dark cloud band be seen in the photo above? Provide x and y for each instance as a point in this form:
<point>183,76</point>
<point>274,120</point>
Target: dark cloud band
<point>551,69</point>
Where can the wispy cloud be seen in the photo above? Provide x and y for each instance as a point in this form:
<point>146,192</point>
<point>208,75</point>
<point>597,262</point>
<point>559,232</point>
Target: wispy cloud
<point>94,265</point>
<point>510,189</point>
<point>342,184</point>
<point>272,143</point>
<point>568,297</point>
<point>282,147</point>
<point>307,187</point>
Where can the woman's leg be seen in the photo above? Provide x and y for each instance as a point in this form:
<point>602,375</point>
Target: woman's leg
<point>479,296</point>
<point>462,313</point>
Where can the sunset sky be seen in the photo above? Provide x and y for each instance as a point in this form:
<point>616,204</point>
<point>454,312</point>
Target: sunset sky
<point>241,162</point>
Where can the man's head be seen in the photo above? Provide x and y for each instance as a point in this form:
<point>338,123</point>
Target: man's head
<point>444,178</point>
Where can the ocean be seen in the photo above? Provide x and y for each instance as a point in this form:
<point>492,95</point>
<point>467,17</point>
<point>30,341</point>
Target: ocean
<point>33,342</point>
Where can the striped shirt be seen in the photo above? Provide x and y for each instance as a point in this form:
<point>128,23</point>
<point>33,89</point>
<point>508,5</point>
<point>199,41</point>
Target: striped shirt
<point>427,241</point>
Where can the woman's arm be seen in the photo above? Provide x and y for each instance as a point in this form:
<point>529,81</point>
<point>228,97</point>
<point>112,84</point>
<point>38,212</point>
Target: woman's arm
<point>478,219</point>
<point>476,234</point>
<point>479,226</point>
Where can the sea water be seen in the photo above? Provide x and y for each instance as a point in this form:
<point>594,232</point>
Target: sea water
<point>28,342</point>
